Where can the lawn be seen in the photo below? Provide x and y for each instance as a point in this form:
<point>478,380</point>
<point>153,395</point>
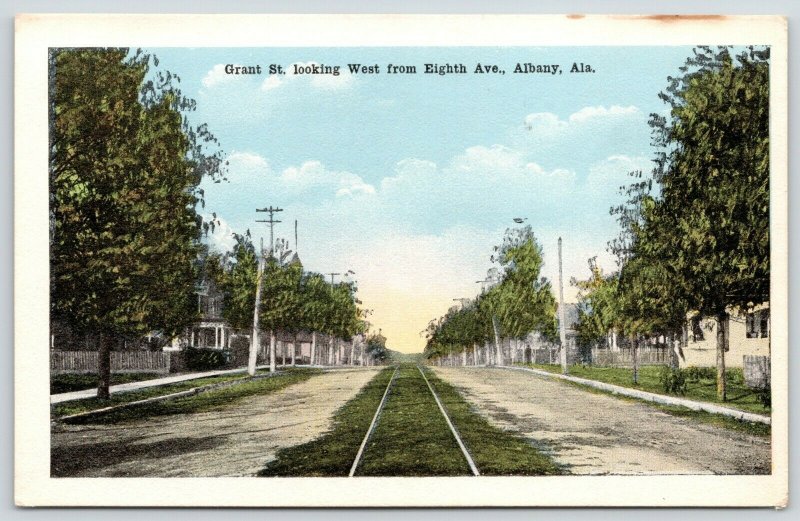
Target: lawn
<point>740,396</point>
<point>204,401</point>
<point>66,383</point>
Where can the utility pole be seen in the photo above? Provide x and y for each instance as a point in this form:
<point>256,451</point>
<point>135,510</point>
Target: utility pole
<point>333,275</point>
<point>255,344</point>
<point>562,325</point>
<point>272,222</point>
<point>251,365</point>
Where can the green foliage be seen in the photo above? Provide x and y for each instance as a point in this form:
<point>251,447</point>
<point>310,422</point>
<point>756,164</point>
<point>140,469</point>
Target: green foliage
<point>521,301</point>
<point>673,380</point>
<point>124,171</point>
<point>199,359</point>
<point>695,374</point>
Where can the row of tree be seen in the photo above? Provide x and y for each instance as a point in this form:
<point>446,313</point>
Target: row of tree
<point>292,302</point>
<point>695,232</point>
<point>517,301</point>
<point>125,169</point>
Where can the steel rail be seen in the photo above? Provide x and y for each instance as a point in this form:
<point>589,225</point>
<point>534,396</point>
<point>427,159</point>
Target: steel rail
<point>461,445</point>
<point>372,426</point>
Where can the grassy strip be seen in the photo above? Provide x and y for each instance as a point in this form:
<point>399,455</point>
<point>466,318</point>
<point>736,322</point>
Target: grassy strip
<point>205,401</point>
<point>496,452</point>
<point>333,453</point>
<point>718,420</point>
<point>412,437</point>
<point>740,396</point>
<point>67,383</point>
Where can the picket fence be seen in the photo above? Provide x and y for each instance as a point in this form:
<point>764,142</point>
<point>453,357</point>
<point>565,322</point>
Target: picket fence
<point>624,357</point>
<point>121,362</point>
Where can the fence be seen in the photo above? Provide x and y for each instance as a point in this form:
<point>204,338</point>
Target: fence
<point>121,362</point>
<point>624,357</point>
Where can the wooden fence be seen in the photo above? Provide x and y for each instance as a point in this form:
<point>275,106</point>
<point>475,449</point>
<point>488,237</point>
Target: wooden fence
<point>624,357</point>
<point>121,362</point>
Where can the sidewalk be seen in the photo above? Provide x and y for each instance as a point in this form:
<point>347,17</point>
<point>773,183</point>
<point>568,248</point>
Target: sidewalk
<point>133,386</point>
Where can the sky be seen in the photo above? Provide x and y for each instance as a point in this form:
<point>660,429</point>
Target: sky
<point>410,180</point>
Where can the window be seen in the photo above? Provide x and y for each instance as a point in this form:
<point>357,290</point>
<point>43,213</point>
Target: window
<point>764,325</point>
<point>757,324</point>
<point>697,330</point>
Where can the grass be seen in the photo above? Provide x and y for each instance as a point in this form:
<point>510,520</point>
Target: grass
<point>495,451</point>
<point>740,396</point>
<point>412,437</point>
<point>205,401</point>
<point>66,383</point>
<point>333,453</point>
<point>718,420</point>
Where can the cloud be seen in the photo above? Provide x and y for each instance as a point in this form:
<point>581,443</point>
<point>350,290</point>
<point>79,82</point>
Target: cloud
<point>314,174</point>
<point>612,172</point>
<point>589,113</point>
<point>329,82</point>
<point>247,168</point>
<point>221,238</point>
<point>548,124</point>
<point>217,76</point>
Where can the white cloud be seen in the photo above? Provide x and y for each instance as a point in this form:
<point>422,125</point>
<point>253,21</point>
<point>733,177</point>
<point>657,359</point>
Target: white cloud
<point>588,113</point>
<point>611,173</point>
<point>247,168</point>
<point>341,81</point>
<point>217,76</point>
<point>221,238</point>
<point>314,174</point>
<point>548,124</point>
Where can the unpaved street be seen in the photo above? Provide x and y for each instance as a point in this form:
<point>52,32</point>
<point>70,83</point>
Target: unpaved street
<point>592,433</point>
<point>237,441</point>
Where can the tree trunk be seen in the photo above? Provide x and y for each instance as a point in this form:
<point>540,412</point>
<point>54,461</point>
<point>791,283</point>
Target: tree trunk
<point>313,353</point>
<point>352,351</point>
<point>104,367</point>
<point>330,350</point>
<point>722,346</point>
<point>497,346</point>
<point>294,351</point>
<point>635,358</point>
<point>272,347</point>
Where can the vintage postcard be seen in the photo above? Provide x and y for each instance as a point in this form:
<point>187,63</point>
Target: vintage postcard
<point>401,260</point>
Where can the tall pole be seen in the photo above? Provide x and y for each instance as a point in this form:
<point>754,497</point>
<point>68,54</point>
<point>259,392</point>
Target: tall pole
<point>254,345</point>
<point>271,221</point>
<point>562,325</point>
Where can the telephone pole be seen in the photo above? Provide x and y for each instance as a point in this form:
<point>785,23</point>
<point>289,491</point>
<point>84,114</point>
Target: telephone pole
<point>255,344</point>
<point>272,222</point>
<point>333,275</point>
<point>562,320</point>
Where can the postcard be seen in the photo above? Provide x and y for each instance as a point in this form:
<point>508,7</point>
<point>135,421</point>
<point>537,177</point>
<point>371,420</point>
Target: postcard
<point>401,260</point>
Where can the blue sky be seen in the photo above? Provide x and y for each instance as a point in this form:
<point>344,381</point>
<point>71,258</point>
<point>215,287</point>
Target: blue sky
<point>409,180</point>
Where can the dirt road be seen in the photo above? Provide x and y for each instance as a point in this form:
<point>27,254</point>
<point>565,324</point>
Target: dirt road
<point>237,441</point>
<point>592,433</point>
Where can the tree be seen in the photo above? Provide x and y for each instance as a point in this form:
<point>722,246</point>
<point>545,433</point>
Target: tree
<point>124,170</point>
<point>709,226</point>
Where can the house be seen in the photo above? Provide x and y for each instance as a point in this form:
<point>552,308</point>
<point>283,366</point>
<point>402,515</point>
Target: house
<point>748,334</point>
<point>210,331</point>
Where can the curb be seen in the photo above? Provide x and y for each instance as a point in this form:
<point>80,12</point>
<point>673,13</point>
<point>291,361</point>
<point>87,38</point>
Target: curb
<point>652,397</point>
<point>179,394</point>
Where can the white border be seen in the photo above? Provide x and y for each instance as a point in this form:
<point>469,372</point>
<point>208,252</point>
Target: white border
<point>35,33</point>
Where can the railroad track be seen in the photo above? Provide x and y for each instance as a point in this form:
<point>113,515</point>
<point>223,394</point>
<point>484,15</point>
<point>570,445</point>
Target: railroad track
<point>376,418</point>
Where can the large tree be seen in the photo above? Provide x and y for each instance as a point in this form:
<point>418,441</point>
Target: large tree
<point>701,241</point>
<point>124,171</point>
